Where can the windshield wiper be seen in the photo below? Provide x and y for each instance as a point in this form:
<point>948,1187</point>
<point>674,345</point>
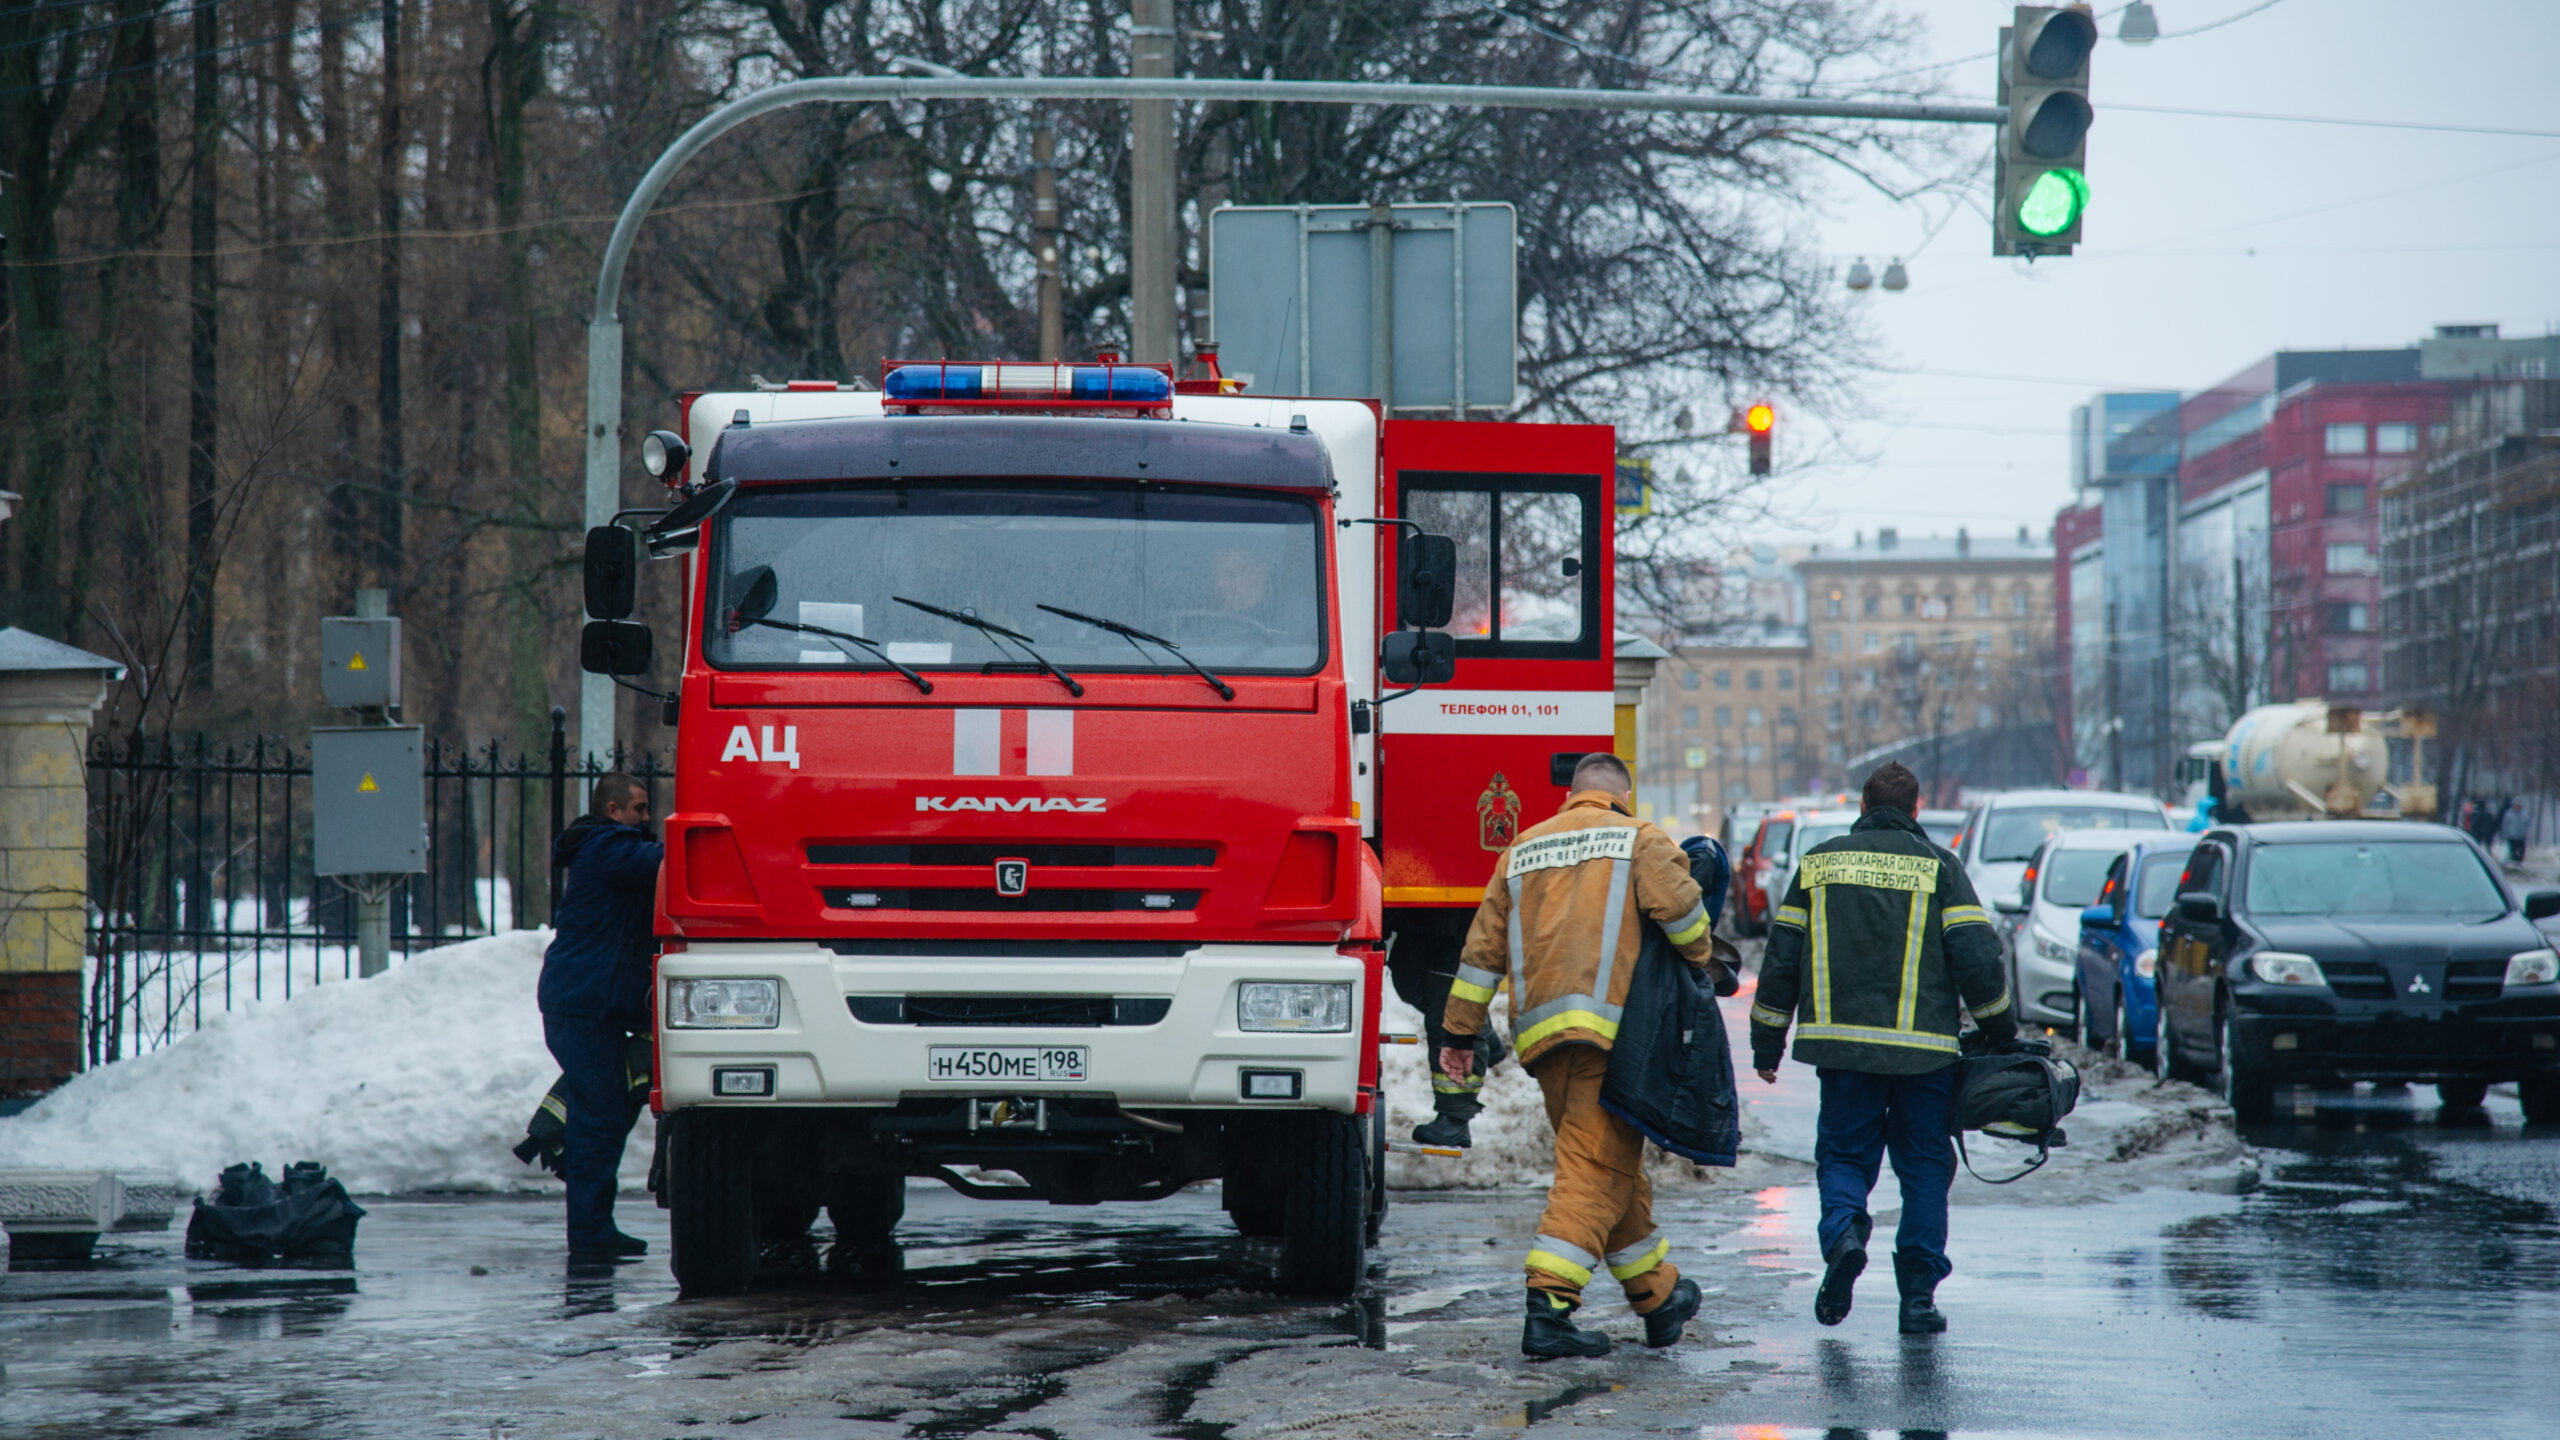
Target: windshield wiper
<point>841,635</point>
<point>990,629</point>
<point>1132,632</point>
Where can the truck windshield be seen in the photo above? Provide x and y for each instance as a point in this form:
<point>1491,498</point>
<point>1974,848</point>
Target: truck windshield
<point>2361,877</point>
<point>1235,579</point>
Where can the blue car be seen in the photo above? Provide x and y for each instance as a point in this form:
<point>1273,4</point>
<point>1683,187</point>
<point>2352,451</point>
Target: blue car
<point>2120,948</point>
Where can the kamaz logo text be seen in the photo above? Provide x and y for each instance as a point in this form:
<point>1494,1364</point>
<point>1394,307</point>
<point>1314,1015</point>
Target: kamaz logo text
<point>1089,805</point>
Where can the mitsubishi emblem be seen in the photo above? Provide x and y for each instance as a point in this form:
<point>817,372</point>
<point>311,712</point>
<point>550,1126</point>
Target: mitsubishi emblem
<point>1013,877</point>
<point>2417,984</point>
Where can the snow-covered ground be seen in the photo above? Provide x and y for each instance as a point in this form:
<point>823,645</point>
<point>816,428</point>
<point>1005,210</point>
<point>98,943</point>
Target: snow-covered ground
<point>418,1079</point>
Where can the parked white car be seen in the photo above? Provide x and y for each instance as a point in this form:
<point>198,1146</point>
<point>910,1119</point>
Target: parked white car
<point>2064,879</point>
<point>2003,833</point>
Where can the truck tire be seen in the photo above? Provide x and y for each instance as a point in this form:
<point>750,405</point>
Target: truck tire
<point>2541,1097</point>
<point>2246,1085</point>
<point>1323,1249</point>
<point>1377,1168</point>
<point>711,1209</point>
<point>1261,1212</point>
<point>865,1210</point>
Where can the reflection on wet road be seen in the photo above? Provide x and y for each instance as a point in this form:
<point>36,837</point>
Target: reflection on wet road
<point>2395,1271</point>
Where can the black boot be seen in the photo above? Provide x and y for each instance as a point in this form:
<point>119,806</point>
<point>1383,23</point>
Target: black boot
<point>1918,1280</point>
<point>1842,1264</point>
<point>1664,1322</point>
<point>1447,1128</point>
<point>1550,1333</point>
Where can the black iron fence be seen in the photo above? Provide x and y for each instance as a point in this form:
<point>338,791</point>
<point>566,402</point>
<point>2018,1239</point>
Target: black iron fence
<point>201,892</point>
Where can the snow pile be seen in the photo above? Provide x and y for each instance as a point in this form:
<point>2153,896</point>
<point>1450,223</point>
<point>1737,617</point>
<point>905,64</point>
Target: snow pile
<point>418,1079</point>
<point>1514,1144</point>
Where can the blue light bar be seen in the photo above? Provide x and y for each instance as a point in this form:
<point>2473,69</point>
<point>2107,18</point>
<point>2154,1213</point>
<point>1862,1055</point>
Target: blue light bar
<point>1091,384</point>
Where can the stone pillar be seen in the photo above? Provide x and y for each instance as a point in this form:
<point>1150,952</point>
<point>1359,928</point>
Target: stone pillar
<point>1636,658</point>
<point>48,693</point>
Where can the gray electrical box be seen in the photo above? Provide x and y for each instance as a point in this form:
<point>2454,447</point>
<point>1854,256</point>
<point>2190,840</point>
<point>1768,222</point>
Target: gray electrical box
<point>360,662</point>
<point>368,800</point>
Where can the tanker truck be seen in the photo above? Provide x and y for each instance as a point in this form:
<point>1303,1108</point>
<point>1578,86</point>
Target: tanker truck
<point>2311,760</point>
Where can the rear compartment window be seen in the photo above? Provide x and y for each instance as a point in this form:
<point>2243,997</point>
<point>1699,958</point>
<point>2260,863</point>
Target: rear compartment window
<point>1236,581</point>
<point>2159,887</point>
<point>2347,877</point>
<point>2074,877</point>
<point>2016,834</point>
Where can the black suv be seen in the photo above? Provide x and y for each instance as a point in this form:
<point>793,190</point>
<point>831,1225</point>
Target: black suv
<point>2357,950</point>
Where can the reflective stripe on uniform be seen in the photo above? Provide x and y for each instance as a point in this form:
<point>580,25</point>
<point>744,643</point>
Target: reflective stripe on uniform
<point>1994,1008</point>
<point>1767,1016</point>
<point>1879,1035</point>
<point>1562,1258</point>
<point>1791,916</point>
<point>1636,1259</point>
<point>1519,952</point>
<point>1911,937</point>
<point>1568,1012</point>
<point>1474,984</point>
<point>1688,927</point>
<point>1441,1084</point>
<point>1613,918</point>
<point>1821,956</point>
<point>1956,915</point>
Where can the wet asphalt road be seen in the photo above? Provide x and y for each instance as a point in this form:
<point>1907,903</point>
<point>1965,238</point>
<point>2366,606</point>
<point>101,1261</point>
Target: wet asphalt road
<point>2391,1271</point>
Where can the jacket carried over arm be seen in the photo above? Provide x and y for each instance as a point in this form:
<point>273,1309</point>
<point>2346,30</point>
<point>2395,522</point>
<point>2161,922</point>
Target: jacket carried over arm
<point>605,924</point>
<point>1878,941</point>
<point>1563,919</point>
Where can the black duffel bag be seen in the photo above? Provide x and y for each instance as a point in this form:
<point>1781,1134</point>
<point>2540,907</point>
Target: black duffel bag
<point>307,1222</point>
<point>2016,1092</point>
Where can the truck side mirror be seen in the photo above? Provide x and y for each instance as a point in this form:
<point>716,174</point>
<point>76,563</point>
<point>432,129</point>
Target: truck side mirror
<point>2197,907</point>
<point>613,573</point>
<point>1426,581</point>
<point>1419,657</point>
<point>2541,904</point>
<point>615,647</point>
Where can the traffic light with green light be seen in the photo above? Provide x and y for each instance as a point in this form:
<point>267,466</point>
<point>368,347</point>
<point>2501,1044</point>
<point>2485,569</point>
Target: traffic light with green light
<point>2040,178</point>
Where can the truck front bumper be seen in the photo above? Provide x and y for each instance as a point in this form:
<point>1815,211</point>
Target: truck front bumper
<point>1193,1055</point>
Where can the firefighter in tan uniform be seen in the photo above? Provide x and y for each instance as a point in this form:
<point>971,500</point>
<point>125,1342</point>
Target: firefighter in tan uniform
<point>1562,919</point>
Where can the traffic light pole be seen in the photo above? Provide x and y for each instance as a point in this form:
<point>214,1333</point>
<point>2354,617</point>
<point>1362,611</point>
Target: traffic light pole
<point>604,328</point>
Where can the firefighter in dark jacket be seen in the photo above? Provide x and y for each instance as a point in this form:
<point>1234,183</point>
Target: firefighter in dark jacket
<point>1563,918</point>
<point>1876,945</point>
<point>594,994</point>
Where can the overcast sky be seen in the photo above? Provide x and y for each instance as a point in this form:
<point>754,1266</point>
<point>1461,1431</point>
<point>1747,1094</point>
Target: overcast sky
<point>2209,242</point>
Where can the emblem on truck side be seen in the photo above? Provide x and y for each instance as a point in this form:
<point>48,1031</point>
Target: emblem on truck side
<point>1016,804</point>
<point>1013,877</point>
<point>1497,815</point>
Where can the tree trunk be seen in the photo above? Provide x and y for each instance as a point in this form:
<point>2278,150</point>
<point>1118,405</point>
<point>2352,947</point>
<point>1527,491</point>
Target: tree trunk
<point>387,546</point>
<point>204,307</point>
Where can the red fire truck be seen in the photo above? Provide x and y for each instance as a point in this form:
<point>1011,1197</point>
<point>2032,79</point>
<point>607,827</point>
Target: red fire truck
<point>1064,756</point>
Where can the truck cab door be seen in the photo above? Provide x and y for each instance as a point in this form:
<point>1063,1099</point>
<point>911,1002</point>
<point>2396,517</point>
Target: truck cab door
<point>1464,767</point>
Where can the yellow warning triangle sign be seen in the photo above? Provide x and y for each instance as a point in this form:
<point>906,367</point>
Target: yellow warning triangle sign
<point>366,785</point>
<point>355,662</point>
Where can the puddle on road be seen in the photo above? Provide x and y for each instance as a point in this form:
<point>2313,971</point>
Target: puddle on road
<point>1538,1410</point>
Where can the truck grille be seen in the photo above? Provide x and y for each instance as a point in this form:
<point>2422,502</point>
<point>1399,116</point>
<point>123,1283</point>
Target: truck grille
<point>1037,902</point>
<point>971,853</point>
<point>2357,979</point>
<point>1049,1010</point>
<point>2475,980</point>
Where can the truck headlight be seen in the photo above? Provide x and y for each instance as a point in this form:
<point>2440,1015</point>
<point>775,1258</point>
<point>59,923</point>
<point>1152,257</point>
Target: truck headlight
<point>1306,1006</point>
<point>2145,963</point>
<point>700,1004</point>
<point>2533,967</point>
<point>2278,967</point>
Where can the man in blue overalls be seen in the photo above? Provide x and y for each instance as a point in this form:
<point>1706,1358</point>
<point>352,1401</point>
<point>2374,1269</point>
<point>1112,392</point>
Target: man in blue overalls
<point>595,993</point>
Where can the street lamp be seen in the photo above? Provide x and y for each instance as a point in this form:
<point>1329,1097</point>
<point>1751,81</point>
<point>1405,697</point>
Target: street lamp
<point>2139,26</point>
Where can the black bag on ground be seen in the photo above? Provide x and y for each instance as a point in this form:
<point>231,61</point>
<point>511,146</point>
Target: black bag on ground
<point>307,1221</point>
<point>1671,1068</point>
<point>2019,1092</point>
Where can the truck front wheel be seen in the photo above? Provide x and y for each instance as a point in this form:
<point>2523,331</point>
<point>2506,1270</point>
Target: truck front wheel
<point>1323,1243</point>
<point>711,1212</point>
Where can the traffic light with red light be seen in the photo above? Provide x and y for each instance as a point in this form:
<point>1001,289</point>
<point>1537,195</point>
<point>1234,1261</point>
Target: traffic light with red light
<point>2040,181</point>
<point>1757,422</point>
